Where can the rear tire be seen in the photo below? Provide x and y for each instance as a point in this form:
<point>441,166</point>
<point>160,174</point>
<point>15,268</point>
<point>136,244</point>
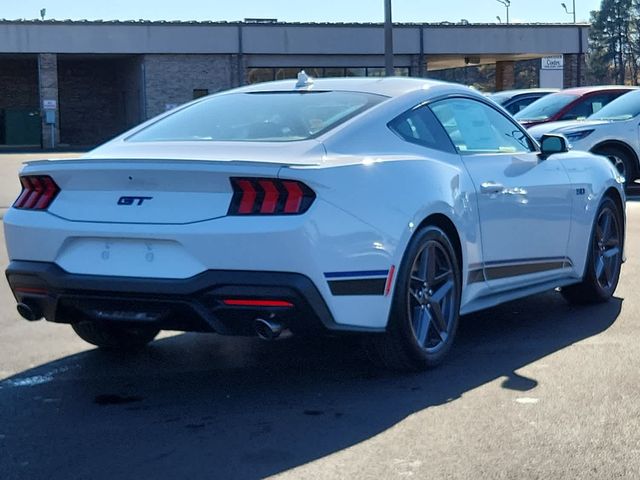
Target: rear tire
<point>425,306</point>
<point>604,260</point>
<point>115,337</point>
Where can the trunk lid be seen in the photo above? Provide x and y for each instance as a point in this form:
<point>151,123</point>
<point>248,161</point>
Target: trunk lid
<point>165,190</point>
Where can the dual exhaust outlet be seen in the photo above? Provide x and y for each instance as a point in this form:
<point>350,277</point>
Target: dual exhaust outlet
<point>265,329</point>
<point>29,312</point>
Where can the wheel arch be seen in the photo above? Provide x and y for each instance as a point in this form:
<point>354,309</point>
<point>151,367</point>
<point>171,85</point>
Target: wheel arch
<point>614,194</point>
<point>446,224</point>
<point>585,291</point>
<point>622,145</point>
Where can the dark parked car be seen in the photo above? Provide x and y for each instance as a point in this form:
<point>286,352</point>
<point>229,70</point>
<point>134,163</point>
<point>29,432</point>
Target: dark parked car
<point>570,104</point>
<point>515,100</point>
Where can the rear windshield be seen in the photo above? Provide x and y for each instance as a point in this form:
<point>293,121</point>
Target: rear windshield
<point>546,107</point>
<point>622,108</point>
<point>259,117</point>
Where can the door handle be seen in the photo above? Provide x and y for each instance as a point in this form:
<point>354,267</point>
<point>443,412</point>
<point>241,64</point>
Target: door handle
<point>491,187</point>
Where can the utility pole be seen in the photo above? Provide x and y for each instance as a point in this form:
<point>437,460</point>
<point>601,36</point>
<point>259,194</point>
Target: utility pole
<point>572,12</point>
<point>507,4</point>
<point>388,39</point>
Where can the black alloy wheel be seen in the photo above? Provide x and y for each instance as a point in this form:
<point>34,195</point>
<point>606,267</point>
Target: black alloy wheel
<point>604,261</point>
<point>607,249</point>
<point>425,306</point>
<point>431,296</point>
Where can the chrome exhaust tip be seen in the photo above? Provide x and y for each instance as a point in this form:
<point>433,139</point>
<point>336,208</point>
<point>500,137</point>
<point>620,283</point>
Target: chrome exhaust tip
<point>28,312</point>
<point>267,329</point>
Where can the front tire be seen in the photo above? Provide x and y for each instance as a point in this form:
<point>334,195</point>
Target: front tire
<point>116,337</point>
<point>425,306</point>
<point>604,260</point>
<point>621,160</point>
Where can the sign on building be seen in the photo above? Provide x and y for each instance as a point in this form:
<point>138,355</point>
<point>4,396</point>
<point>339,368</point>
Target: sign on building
<point>552,63</point>
<point>552,72</point>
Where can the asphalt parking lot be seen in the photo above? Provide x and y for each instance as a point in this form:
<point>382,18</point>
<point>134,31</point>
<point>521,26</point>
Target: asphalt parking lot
<point>532,389</point>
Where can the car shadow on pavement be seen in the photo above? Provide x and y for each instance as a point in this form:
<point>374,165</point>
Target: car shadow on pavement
<point>203,406</point>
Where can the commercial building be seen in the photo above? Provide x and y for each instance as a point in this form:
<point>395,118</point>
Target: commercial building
<point>78,83</point>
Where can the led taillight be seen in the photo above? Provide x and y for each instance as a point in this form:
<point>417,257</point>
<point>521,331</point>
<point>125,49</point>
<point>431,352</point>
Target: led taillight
<point>269,196</point>
<point>38,191</point>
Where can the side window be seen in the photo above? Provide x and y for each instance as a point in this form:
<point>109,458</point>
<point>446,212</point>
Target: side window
<point>421,127</point>
<point>477,128</point>
<point>588,106</point>
<point>520,104</point>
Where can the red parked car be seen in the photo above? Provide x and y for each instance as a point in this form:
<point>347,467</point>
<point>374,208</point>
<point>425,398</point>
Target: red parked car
<point>569,104</point>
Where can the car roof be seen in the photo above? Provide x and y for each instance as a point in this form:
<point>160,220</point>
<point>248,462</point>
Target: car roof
<point>387,86</point>
<point>597,88</point>
<point>525,91</point>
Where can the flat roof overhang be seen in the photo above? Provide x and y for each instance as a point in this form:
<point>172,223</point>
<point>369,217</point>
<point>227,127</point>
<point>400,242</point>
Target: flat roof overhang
<point>485,40</point>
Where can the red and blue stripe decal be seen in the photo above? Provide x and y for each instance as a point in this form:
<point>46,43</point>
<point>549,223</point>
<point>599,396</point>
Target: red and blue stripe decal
<point>362,282</point>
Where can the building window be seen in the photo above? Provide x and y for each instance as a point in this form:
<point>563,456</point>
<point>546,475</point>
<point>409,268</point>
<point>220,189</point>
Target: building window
<point>375,72</point>
<point>257,75</point>
<point>289,73</point>
<point>200,92</point>
<point>356,72</point>
<point>334,72</point>
<point>380,72</point>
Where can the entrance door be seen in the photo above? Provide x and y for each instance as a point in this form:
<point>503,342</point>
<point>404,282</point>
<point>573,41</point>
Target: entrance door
<point>22,126</point>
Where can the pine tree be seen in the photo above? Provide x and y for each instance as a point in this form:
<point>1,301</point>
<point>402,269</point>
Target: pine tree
<point>610,57</point>
<point>634,41</point>
<point>598,58</point>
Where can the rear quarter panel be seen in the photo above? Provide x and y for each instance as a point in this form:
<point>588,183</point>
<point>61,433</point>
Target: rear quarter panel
<point>393,186</point>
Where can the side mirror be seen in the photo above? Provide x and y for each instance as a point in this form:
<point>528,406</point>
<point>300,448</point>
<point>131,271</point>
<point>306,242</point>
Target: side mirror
<point>553,143</point>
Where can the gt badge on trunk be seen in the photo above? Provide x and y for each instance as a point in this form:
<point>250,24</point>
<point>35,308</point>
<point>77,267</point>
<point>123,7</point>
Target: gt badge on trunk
<point>128,201</point>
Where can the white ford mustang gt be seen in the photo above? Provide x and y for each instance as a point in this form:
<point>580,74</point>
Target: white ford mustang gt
<point>612,132</point>
<point>386,207</point>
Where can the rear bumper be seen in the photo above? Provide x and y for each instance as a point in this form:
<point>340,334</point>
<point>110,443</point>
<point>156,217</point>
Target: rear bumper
<point>192,304</point>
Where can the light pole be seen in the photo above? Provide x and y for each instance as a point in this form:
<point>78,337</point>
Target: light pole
<point>572,12</point>
<point>388,39</point>
<point>507,4</point>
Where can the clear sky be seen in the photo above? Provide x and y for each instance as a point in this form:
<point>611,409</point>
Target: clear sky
<point>299,10</point>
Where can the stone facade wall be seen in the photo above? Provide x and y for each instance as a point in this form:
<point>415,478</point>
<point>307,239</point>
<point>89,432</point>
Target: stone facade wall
<point>48,78</point>
<point>573,77</point>
<point>19,83</point>
<point>99,99</point>
<point>171,79</point>
<point>505,75</point>
<point>130,84</point>
<point>416,66</point>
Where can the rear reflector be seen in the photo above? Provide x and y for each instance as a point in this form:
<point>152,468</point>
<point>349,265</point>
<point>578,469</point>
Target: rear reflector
<point>32,291</point>
<point>389,284</point>
<point>38,191</point>
<point>237,302</point>
<point>269,196</point>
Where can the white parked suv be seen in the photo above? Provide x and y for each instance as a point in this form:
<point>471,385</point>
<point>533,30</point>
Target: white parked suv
<point>613,131</point>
